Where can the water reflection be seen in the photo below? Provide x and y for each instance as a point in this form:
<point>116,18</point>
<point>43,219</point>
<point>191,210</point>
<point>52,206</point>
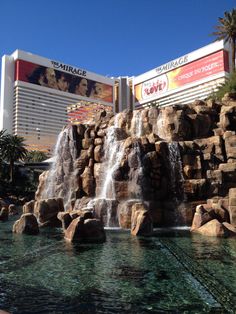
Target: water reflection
<point>125,274</point>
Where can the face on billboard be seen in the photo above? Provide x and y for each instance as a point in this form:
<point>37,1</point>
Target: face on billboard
<point>62,83</point>
<point>82,87</point>
<point>66,82</point>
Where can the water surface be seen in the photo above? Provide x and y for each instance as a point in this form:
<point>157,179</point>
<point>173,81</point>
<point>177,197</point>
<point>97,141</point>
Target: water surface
<point>171,272</point>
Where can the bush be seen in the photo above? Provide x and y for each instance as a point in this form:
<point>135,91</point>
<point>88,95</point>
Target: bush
<point>228,87</point>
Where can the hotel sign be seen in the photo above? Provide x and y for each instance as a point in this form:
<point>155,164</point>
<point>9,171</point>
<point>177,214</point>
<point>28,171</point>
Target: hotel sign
<point>68,68</point>
<point>172,64</point>
<point>180,76</point>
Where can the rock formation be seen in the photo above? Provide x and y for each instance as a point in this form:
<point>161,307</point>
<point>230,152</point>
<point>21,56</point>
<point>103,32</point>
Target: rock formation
<point>170,159</point>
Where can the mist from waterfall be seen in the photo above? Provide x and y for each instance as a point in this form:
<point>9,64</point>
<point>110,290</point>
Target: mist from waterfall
<point>136,172</point>
<point>136,124</point>
<point>114,152</point>
<point>59,179</point>
<point>160,127</point>
<point>49,188</point>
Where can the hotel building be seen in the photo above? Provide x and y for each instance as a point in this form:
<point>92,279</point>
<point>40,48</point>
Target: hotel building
<point>39,96</point>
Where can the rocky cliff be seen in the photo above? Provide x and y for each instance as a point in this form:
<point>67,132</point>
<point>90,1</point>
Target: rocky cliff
<point>167,159</point>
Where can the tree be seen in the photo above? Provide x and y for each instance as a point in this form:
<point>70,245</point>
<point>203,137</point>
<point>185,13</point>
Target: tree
<point>2,142</point>
<point>35,156</point>
<point>13,149</point>
<point>227,30</point>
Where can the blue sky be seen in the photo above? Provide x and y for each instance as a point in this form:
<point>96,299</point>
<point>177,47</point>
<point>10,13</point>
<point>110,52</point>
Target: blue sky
<point>109,37</point>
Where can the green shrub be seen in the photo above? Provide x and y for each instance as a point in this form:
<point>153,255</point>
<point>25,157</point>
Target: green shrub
<point>228,87</point>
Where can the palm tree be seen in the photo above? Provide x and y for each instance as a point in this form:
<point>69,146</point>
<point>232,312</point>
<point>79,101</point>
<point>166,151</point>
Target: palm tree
<point>35,156</point>
<point>227,30</point>
<point>13,149</point>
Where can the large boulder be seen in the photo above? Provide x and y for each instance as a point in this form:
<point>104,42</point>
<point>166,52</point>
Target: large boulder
<point>29,207</point>
<point>46,211</point>
<point>88,183</point>
<point>141,220</point>
<point>27,224</point>
<point>201,217</point>
<point>4,214</point>
<point>41,187</point>
<point>85,231</point>
<point>13,210</point>
<point>213,228</point>
<point>125,213</point>
<point>65,219</point>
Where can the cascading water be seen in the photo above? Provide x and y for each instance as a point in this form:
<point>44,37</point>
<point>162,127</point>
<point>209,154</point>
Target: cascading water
<point>49,188</point>
<point>136,169</point>
<point>176,171</point>
<point>59,179</point>
<point>136,124</point>
<point>160,129</point>
<point>114,152</point>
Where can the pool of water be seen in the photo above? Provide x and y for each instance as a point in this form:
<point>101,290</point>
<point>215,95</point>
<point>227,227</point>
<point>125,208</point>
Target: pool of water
<point>171,272</point>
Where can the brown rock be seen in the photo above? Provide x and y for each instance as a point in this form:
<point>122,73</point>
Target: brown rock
<point>41,187</point>
<point>4,214</point>
<point>89,230</point>
<point>98,153</point>
<point>27,224</point>
<point>29,207</point>
<point>125,212</point>
<point>195,188</point>
<point>212,228</point>
<point>13,210</point>
<point>65,219</point>
<point>141,221</point>
<point>200,218</point>
<point>88,183</point>
<point>231,229</point>
<point>98,141</point>
<point>46,211</point>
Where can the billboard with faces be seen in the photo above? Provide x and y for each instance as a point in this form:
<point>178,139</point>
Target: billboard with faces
<point>52,78</point>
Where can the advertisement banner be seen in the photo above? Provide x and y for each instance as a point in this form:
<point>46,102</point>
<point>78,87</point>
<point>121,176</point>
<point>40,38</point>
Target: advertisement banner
<point>48,77</point>
<point>186,74</point>
<point>86,112</point>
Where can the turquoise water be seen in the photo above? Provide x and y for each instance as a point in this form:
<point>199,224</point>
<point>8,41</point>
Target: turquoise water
<point>171,272</point>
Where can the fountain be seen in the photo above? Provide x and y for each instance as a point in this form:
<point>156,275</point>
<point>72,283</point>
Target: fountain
<point>141,174</point>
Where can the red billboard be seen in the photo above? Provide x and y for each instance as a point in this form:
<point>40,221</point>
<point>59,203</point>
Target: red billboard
<point>48,77</point>
<point>186,74</point>
<point>84,113</point>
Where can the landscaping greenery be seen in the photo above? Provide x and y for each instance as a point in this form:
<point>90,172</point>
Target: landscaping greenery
<point>228,87</point>
<point>226,29</point>
<point>35,156</point>
<point>17,179</point>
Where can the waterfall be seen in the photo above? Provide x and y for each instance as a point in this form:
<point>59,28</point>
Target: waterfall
<point>136,124</point>
<point>176,171</point>
<point>59,179</point>
<point>160,128</point>
<point>114,152</point>
<point>135,164</point>
<point>49,188</point>
<point>135,174</point>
